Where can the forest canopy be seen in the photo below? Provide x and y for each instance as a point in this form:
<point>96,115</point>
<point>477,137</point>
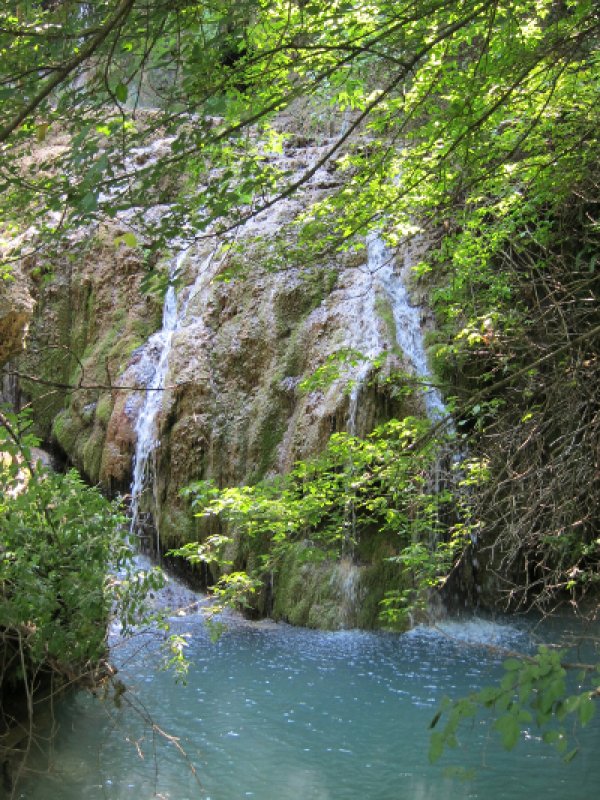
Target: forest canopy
<point>486,106</point>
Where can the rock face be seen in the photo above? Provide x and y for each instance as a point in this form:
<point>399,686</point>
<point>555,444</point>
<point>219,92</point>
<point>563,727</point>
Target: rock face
<point>90,316</point>
<point>262,366</point>
<point>16,307</point>
<point>241,398</point>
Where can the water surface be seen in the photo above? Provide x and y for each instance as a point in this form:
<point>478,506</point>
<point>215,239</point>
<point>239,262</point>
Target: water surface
<point>277,713</point>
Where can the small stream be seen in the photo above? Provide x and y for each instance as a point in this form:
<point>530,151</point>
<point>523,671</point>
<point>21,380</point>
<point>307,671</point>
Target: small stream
<point>407,319</point>
<point>382,281</point>
<point>279,713</point>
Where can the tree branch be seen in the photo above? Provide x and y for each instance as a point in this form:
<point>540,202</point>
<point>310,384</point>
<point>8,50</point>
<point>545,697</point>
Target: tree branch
<point>121,13</point>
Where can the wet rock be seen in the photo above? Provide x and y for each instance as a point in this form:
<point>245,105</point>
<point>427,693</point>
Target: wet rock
<point>263,366</point>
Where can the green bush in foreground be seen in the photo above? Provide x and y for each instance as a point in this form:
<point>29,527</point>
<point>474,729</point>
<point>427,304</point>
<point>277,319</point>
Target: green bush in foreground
<point>65,567</point>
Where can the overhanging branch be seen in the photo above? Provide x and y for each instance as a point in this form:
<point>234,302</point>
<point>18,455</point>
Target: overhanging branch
<point>121,13</point>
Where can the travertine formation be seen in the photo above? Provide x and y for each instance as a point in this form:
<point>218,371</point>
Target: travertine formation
<point>262,366</point>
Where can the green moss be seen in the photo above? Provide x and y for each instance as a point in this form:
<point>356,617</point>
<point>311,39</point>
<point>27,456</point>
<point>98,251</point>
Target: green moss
<point>141,329</point>
<point>110,352</point>
<point>97,353</point>
<point>52,358</point>
<point>310,593</point>
<point>76,332</point>
<point>104,408</point>
<point>316,594</point>
<point>377,579</point>
<point>295,353</point>
<point>299,585</point>
<point>91,452</point>
<point>177,526</point>
<point>82,443</point>
<point>385,312</point>
<point>67,430</point>
<point>374,545</point>
<point>270,434</point>
<point>293,307</point>
<point>325,615</point>
<point>83,312</point>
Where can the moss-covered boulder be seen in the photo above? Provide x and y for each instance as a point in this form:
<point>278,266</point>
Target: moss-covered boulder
<point>331,594</point>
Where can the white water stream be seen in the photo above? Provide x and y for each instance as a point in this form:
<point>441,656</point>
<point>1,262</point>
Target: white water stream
<point>156,357</point>
<point>153,370</point>
<point>380,279</point>
<point>407,320</point>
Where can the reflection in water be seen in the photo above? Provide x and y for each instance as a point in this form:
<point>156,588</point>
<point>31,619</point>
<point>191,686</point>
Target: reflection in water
<point>278,713</point>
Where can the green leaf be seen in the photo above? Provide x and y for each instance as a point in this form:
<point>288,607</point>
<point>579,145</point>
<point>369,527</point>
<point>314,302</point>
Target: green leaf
<point>570,755</point>
<point>129,239</point>
<point>436,746</point>
<point>121,92</point>
<point>512,664</point>
<point>587,709</point>
<point>89,202</point>
<point>509,729</point>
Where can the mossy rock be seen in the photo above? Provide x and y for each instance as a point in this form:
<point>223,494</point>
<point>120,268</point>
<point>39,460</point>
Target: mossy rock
<point>177,527</point>
<point>270,435</point>
<point>104,409</point>
<point>293,358</point>
<point>91,452</point>
<point>67,431</point>
<point>324,616</point>
<point>332,594</point>
<point>308,592</point>
<point>385,312</point>
<point>377,579</point>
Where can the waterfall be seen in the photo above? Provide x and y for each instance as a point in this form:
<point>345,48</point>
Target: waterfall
<point>347,580</point>
<point>383,280</point>
<point>407,320</point>
<point>10,392</point>
<point>155,362</point>
<point>152,370</point>
<point>367,339</point>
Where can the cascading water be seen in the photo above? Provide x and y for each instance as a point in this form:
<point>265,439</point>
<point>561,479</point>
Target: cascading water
<point>379,279</point>
<point>153,369</point>
<point>156,353</point>
<point>407,320</point>
<point>367,339</point>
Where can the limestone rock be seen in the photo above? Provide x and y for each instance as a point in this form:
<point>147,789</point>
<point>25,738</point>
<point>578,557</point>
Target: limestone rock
<point>16,308</point>
<point>262,367</point>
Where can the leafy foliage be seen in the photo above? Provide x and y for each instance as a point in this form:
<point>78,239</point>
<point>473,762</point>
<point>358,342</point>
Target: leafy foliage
<point>533,691</point>
<point>484,107</point>
<point>58,539</point>
<point>357,489</point>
